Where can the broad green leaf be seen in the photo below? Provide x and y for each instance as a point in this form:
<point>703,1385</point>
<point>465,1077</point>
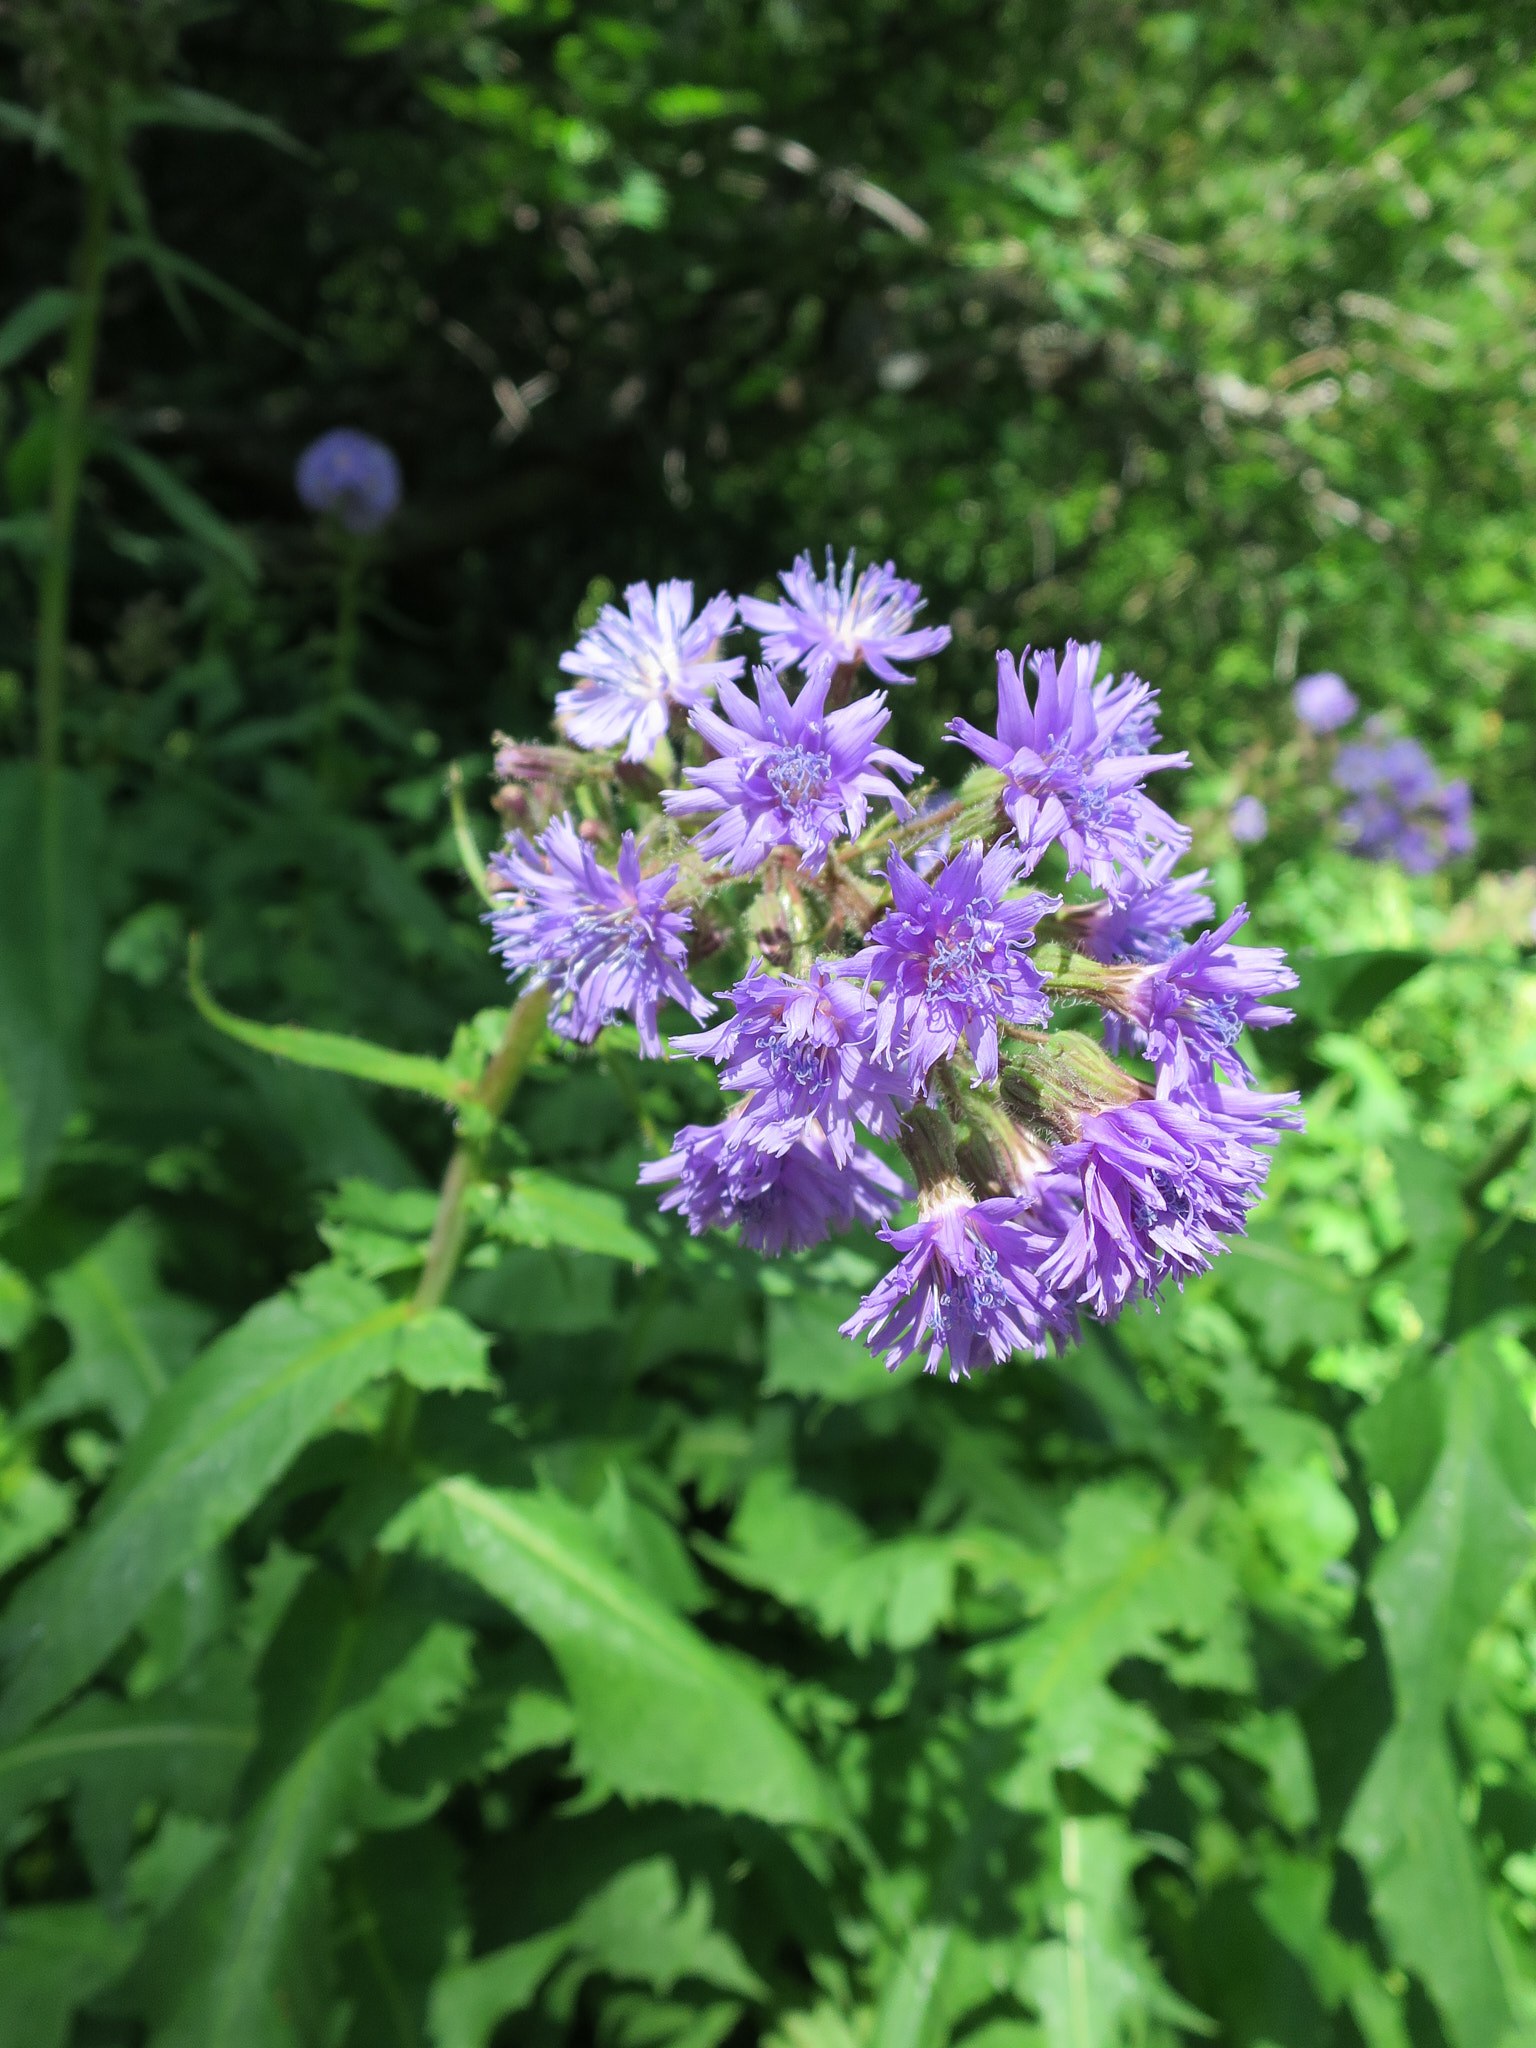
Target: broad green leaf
<point>18,1306</point>
<point>660,1712</point>
<point>206,1454</point>
<point>1342,989</point>
<point>52,1959</point>
<point>129,1336</point>
<point>911,2012</point>
<point>43,314</point>
<point>401,1906</point>
<point>807,1356</point>
<point>443,1352</point>
<point>1429,1188</point>
<point>542,1210</point>
<point>1433,1588</point>
<point>332,1050</point>
<point>470,2000</point>
<point>245,1966</point>
<point>1291,1298</point>
<point>185,1746</point>
<point>50,951</point>
<point>181,504</point>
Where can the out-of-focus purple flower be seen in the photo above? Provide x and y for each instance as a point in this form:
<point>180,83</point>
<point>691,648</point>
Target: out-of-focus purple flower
<point>1150,919</point>
<point>1323,702</point>
<point>1401,810</point>
<point>804,1050</point>
<point>1062,776</point>
<point>966,1282</point>
<point>635,671</point>
<point>1161,1182</point>
<point>1194,1006</point>
<point>951,958</point>
<point>852,622</point>
<point>788,773</point>
<point>715,1175</point>
<point>351,476</point>
<point>603,942</point>
<point>1248,821</point>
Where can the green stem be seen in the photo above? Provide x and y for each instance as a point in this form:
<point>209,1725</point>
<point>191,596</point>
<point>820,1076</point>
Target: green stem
<point>69,453</point>
<point>344,647</point>
<point>525,1027</point>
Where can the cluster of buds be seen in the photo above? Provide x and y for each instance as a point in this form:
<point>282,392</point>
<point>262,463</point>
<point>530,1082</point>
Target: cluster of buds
<point>903,986</point>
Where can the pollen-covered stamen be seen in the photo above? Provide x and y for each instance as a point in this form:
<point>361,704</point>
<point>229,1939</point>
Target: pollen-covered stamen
<point>799,775</point>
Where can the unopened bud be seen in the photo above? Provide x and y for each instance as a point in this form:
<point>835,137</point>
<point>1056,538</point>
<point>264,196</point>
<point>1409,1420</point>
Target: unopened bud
<point>1053,1085</point>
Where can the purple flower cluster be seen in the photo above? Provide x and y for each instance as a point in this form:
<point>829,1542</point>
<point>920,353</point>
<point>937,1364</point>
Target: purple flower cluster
<point>1399,807</point>
<point>350,476</point>
<point>901,976</point>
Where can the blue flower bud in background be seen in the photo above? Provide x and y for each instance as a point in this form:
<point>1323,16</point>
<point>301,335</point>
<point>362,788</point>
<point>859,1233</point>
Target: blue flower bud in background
<point>1248,821</point>
<point>351,476</point>
<point>1324,702</point>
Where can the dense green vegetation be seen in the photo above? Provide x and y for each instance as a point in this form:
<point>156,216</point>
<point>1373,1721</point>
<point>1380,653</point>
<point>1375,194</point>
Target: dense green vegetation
<point>598,1648</point>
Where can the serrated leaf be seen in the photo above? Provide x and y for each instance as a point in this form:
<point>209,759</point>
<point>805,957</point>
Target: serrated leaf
<point>130,1337</point>
<point>43,314</point>
<point>660,1713</point>
<point>52,1960</point>
<point>469,2001</point>
<point>443,1352</point>
<point>331,1050</point>
<point>400,1904</point>
<point>185,1746</point>
<point>641,1925</point>
<point>50,952</point>
<point>207,1452</point>
<point>1433,1588</point>
<point>542,1210</point>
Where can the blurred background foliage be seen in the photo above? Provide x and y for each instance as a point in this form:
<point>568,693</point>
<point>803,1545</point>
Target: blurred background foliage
<point>721,1691</point>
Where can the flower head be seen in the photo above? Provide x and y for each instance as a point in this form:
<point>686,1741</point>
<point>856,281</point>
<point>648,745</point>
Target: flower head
<point>716,1176</point>
<point>1401,811</point>
<point>1063,774</point>
<point>788,773</point>
<point>634,671</point>
<point>351,476</point>
<point>1160,1182</point>
<point>1149,921</point>
<point>1248,821</point>
<point>852,622</point>
<point>803,1048</point>
<point>1194,1006</point>
<point>603,941</point>
<point>1324,702</point>
<point>950,956</point>
<point>966,1282</point>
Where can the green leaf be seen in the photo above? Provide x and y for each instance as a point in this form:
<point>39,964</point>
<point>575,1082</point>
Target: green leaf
<point>206,1454</point>
<point>470,2000</point>
<point>43,314</point>
<point>1340,990</point>
<point>207,281</point>
<point>185,1746</point>
<point>129,1337</point>
<point>50,952</point>
<point>1439,1582</point>
<point>1292,1299</point>
<point>543,1210</point>
<point>18,1305</point>
<point>807,1356</point>
<point>52,1960</point>
<point>181,504</point>
<point>183,106</point>
<point>443,1352</point>
<point>640,1925</point>
<point>331,1050</point>
<point>660,1713</point>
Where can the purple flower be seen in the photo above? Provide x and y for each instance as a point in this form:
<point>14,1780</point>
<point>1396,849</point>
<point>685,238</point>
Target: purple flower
<point>950,956</point>
<point>351,476</point>
<point>1248,821</point>
<point>1149,920</point>
<point>603,942</point>
<point>788,774</point>
<point>852,622</point>
<point>804,1051</point>
<point>1324,702</point>
<point>965,1282</point>
<point>1126,709</point>
<point>635,671</point>
<point>1063,777</point>
<point>783,1201</point>
<point>1161,1182</point>
<point>1401,809</point>
<point>1194,1006</point>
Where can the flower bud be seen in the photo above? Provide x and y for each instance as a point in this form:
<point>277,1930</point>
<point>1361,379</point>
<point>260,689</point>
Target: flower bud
<point>1051,1086</point>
